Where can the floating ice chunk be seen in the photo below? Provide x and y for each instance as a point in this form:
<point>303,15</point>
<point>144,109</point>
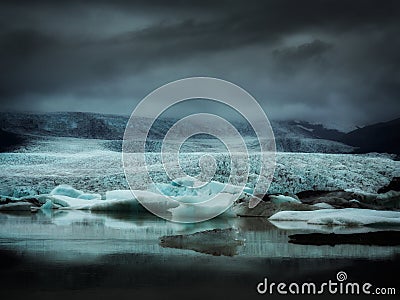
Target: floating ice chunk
<point>278,199</point>
<point>66,190</point>
<point>344,217</point>
<point>323,205</point>
<point>82,204</point>
<point>89,196</point>
<point>188,190</point>
<point>47,205</point>
<point>67,202</point>
<point>117,205</point>
<point>130,200</point>
<point>154,202</point>
<point>119,195</point>
<point>187,212</point>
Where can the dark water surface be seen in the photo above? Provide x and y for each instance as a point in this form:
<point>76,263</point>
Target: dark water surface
<point>76,254</point>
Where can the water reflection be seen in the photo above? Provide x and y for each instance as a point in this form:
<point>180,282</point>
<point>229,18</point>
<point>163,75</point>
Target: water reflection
<point>215,242</point>
<point>73,235</point>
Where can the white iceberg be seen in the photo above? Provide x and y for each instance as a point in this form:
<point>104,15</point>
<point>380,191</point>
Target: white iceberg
<point>89,196</point>
<point>66,190</point>
<point>67,202</point>
<point>119,195</point>
<point>189,190</point>
<point>278,199</point>
<point>189,212</point>
<point>323,205</point>
<point>343,217</point>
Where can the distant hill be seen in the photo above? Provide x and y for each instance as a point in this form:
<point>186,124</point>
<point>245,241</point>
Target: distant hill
<point>290,136</point>
<point>10,141</point>
<point>380,137</point>
<point>66,124</point>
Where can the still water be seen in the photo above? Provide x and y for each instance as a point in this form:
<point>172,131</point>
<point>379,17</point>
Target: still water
<point>82,254</point>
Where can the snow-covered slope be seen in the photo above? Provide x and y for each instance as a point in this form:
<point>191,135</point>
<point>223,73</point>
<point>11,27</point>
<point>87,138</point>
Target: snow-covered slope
<point>290,136</point>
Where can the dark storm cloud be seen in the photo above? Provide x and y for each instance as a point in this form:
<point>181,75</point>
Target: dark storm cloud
<point>317,60</point>
<point>302,52</point>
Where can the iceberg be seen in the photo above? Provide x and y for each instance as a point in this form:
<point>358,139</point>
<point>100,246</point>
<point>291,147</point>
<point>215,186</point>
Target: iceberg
<point>341,217</point>
<point>67,202</point>
<point>194,200</point>
<point>66,190</point>
<point>278,199</point>
<point>190,190</point>
<point>323,205</point>
<point>119,195</point>
<point>88,196</point>
<point>47,205</point>
<point>116,200</point>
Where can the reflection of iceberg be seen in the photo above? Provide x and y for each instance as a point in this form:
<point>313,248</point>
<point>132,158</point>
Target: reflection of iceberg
<point>215,242</point>
<point>78,235</point>
<point>378,238</point>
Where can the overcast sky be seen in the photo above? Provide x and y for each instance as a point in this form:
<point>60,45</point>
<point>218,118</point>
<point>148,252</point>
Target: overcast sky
<point>335,62</point>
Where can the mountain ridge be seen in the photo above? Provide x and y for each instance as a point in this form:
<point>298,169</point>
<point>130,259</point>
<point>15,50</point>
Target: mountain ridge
<point>290,136</point>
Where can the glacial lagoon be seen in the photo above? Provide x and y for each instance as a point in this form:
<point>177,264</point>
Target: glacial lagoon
<point>81,253</point>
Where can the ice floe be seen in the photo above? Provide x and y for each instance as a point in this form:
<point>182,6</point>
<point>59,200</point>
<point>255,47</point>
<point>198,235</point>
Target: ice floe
<point>323,205</point>
<point>277,199</point>
<point>343,217</point>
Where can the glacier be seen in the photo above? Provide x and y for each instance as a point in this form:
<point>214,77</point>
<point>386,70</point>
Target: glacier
<point>25,174</point>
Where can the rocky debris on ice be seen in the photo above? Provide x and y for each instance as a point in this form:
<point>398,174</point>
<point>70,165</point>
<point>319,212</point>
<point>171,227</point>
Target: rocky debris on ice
<point>342,217</point>
<point>215,242</point>
<point>352,198</point>
<point>16,206</point>
<point>394,185</point>
<point>390,199</point>
<point>267,208</point>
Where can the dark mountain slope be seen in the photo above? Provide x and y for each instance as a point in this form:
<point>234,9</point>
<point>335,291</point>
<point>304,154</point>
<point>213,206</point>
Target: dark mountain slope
<point>10,141</point>
<point>380,137</point>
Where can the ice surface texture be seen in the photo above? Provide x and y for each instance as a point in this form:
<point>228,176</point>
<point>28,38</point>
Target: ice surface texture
<point>100,171</point>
